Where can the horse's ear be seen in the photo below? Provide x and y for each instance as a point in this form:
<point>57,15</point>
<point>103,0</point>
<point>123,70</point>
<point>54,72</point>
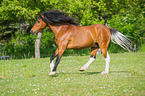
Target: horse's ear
<point>44,14</point>
<point>39,13</point>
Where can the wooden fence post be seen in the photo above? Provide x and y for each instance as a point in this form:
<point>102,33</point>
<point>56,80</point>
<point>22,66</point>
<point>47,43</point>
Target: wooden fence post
<point>37,45</point>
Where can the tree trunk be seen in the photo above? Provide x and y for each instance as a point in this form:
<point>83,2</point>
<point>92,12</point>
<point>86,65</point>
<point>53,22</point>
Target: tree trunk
<point>37,45</point>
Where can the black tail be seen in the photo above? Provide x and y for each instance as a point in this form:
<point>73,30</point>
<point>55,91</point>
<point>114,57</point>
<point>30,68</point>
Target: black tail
<point>120,39</point>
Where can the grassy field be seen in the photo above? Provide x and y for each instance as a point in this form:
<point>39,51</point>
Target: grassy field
<point>30,76</point>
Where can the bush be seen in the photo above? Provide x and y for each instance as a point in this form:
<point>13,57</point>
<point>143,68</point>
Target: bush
<point>19,47</point>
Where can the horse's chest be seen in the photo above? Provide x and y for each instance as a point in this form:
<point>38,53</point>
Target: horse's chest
<point>62,38</point>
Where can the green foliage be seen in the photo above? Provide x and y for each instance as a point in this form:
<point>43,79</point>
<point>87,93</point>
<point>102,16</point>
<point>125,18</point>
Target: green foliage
<point>130,23</point>
<point>18,17</point>
<point>142,48</point>
<point>20,46</point>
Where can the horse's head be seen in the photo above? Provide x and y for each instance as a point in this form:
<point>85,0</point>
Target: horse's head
<point>40,24</point>
<point>49,18</point>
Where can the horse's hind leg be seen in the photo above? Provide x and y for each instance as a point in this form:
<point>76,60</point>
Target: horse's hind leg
<point>92,58</point>
<point>107,60</point>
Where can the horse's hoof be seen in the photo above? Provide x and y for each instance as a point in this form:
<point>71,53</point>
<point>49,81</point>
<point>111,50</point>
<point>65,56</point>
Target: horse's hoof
<point>52,73</point>
<point>102,73</point>
<point>82,69</point>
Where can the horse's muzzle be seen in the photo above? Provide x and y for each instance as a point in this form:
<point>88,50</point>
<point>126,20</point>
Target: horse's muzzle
<point>34,33</point>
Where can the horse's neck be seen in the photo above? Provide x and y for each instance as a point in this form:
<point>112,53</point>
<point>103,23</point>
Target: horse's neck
<point>56,28</point>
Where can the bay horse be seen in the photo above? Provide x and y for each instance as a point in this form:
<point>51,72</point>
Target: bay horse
<point>68,35</point>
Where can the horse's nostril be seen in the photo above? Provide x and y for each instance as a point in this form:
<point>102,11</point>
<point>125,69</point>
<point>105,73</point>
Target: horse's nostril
<point>31,31</point>
<point>34,33</point>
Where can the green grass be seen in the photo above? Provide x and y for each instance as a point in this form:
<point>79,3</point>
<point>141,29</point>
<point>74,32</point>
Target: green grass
<point>23,77</point>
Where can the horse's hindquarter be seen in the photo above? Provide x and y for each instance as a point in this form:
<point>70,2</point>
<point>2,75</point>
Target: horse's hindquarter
<point>81,38</point>
<point>103,35</point>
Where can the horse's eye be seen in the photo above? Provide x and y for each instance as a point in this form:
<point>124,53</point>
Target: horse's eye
<point>38,21</point>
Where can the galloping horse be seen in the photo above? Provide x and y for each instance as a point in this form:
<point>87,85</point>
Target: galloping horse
<point>68,35</point>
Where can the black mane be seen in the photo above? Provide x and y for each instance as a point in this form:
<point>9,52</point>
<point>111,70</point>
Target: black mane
<point>55,16</point>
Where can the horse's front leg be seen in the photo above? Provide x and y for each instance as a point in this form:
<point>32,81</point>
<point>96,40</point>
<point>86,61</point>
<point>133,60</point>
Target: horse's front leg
<point>59,55</point>
<point>51,59</point>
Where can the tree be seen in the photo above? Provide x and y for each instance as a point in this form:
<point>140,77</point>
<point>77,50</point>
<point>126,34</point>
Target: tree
<point>130,21</point>
<point>18,16</point>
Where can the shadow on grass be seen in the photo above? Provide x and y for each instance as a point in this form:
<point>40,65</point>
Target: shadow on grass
<point>89,73</point>
<point>119,72</point>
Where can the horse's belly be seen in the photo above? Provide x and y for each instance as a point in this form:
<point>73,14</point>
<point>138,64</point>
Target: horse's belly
<point>80,43</point>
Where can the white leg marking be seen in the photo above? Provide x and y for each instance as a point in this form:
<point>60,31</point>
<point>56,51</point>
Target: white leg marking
<point>51,65</point>
<point>87,64</point>
<point>107,59</point>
